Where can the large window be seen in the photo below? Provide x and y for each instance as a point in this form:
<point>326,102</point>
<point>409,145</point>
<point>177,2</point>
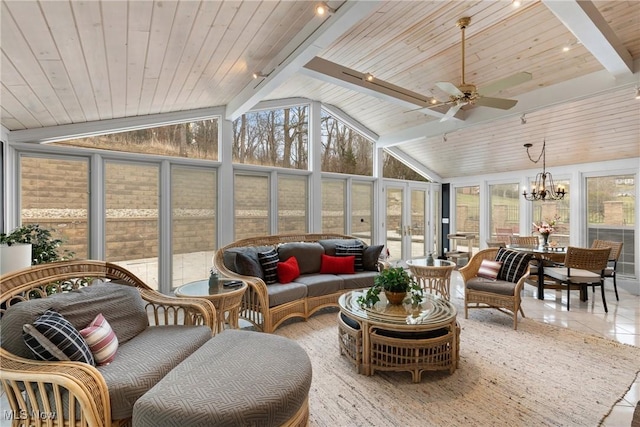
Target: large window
<point>292,204</point>
<point>193,216</point>
<point>362,210</point>
<point>558,211</point>
<point>272,138</point>
<point>467,215</point>
<point>504,204</point>
<point>131,233</point>
<point>611,213</point>
<point>333,205</point>
<point>394,168</point>
<point>194,140</point>
<point>252,207</point>
<point>343,149</point>
<point>55,194</point>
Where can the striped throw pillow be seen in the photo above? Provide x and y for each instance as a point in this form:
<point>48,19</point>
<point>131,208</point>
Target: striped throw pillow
<point>101,340</point>
<point>52,337</point>
<point>489,269</point>
<point>355,250</point>
<point>269,263</point>
<point>514,264</point>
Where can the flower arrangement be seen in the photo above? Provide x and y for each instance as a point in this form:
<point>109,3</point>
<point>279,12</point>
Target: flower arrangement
<point>547,226</point>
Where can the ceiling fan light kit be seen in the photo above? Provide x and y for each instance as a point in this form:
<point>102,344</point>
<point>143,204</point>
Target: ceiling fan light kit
<point>543,187</point>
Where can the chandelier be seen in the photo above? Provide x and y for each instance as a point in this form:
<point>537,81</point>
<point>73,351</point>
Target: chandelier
<point>543,187</point>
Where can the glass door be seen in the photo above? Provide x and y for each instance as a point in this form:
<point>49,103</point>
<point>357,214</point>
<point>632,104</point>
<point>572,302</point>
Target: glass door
<point>407,220</point>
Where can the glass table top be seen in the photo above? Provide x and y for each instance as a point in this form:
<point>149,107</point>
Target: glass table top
<point>432,310</point>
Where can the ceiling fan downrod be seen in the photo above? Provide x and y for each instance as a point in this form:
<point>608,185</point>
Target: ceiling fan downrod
<point>462,24</point>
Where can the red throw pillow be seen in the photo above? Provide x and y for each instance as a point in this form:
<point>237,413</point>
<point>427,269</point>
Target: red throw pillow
<point>288,270</point>
<point>338,264</point>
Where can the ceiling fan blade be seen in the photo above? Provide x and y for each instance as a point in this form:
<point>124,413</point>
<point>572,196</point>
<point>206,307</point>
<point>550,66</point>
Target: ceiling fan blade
<point>450,88</point>
<point>452,112</point>
<point>501,103</point>
<point>505,83</point>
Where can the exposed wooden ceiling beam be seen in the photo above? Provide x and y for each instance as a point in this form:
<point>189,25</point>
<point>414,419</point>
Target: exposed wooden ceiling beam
<point>584,20</point>
<point>308,43</point>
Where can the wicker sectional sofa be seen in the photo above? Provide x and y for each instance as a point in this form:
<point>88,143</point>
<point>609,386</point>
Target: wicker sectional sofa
<point>268,305</point>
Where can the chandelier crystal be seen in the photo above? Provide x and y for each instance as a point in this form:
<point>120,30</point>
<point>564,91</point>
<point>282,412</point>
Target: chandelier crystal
<point>543,187</point>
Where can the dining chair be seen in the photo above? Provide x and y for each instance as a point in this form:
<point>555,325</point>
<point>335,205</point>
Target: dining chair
<point>583,267</point>
<point>524,240</point>
<point>533,267</point>
<point>612,265</point>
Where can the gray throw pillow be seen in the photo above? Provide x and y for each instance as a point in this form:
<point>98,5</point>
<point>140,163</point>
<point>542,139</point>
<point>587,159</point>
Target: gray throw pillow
<point>370,257</point>
<point>247,266</point>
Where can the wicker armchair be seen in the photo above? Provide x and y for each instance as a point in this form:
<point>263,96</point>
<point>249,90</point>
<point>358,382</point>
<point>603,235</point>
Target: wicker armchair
<point>500,295</point>
<point>75,393</point>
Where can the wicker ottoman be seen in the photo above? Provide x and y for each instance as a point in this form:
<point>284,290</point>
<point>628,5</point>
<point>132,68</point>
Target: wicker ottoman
<point>237,378</point>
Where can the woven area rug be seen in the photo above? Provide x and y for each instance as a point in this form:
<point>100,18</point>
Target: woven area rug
<point>539,375</point>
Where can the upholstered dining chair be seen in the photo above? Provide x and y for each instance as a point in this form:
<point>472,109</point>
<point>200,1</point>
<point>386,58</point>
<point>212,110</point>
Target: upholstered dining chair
<point>582,267</point>
<point>612,265</point>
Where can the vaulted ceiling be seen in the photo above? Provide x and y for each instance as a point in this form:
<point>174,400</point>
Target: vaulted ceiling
<point>71,62</point>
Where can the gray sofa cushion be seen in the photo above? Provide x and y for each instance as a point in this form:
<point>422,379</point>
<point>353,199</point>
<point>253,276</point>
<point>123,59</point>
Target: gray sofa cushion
<point>282,293</point>
<point>121,305</point>
<point>144,360</point>
<point>502,287</point>
<point>360,280</point>
<point>321,284</point>
<point>308,255</point>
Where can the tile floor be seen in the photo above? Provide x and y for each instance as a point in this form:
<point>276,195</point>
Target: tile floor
<point>621,323</point>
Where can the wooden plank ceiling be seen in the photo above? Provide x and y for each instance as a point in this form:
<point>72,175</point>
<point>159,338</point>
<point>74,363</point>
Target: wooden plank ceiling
<point>66,62</point>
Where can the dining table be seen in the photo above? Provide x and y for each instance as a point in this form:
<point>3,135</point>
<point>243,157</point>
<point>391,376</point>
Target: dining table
<point>541,255</point>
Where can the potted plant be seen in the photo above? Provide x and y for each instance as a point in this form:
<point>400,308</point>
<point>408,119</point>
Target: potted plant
<point>44,248</point>
<point>396,283</point>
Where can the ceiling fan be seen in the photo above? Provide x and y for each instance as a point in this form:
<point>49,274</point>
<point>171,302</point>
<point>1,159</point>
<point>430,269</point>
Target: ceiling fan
<point>468,94</point>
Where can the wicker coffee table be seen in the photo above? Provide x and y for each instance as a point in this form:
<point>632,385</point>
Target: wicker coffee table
<point>390,337</point>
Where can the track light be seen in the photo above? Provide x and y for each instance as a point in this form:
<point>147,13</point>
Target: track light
<point>323,9</point>
<point>368,77</point>
<point>259,74</point>
<point>638,93</point>
<point>523,119</point>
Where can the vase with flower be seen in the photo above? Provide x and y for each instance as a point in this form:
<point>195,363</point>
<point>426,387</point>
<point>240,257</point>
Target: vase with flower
<point>545,228</point>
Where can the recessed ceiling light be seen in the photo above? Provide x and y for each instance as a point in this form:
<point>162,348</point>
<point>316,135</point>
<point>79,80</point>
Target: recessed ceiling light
<point>516,3</point>
<point>566,48</point>
<point>323,9</point>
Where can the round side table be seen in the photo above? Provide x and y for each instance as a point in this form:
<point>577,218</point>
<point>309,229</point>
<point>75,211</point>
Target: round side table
<point>433,278</point>
<point>225,299</point>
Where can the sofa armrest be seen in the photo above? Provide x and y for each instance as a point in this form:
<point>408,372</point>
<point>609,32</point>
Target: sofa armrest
<point>38,390</point>
<point>167,310</point>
